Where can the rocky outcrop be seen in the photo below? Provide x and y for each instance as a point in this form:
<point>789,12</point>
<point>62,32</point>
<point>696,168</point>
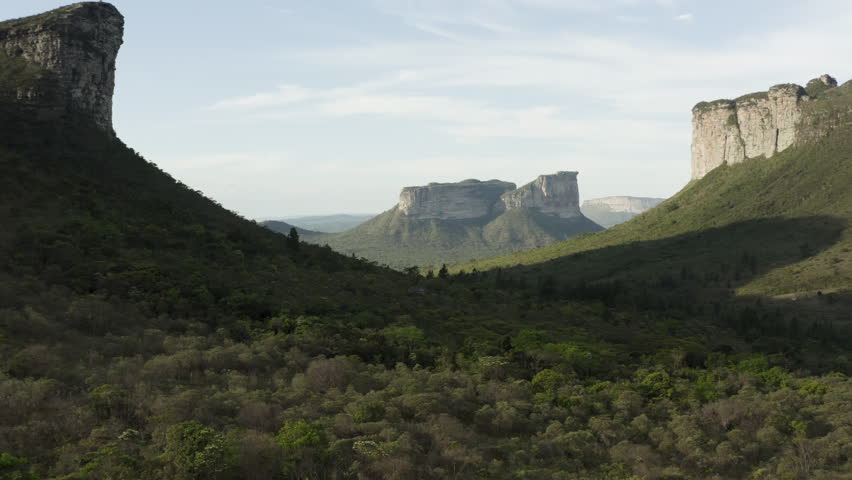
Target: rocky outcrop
<point>77,47</point>
<point>610,211</point>
<point>555,194</point>
<point>454,201</point>
<point>635,205</point>
<point>755,125</point>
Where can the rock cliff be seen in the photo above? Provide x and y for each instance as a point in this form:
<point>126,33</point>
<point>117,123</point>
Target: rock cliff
<point>76,46</point>
<point>610,211</point>
<point>555,194</point>
<point>454,201</point>
<point>754,125</point>
<point>456,222</point>
<point>624,204</point>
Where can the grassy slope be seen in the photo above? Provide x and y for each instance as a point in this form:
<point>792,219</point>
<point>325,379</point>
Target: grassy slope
<point>399,241</point>
<point>805,187</point>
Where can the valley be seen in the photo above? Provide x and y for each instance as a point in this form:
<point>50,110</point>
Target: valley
<point>147,331</point>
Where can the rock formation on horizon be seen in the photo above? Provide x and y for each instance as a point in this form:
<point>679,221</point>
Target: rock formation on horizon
<point>555,194</point>
<point>610,211</point>
<point>456,222</point>
<point>454,201</point>
<point>75,49</point>
<point>754,125</point>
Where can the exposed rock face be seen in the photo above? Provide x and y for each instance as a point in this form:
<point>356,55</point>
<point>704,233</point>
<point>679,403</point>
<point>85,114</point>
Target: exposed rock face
<point>611,211</point>
<point>77,46</point>
<point>760,124</point>
<point>454,201</point>
<point>555,194</point>
<point>635,205</point>
<point>716,137</point>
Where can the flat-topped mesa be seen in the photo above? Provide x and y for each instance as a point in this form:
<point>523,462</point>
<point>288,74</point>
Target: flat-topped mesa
<point>454,201</point>
<point>77,46</point>
<point>555,194</point>
<point>754,125</point>
<point>635,205</point>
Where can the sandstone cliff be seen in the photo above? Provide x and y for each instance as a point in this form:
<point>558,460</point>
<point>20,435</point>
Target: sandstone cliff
<point>624,204</point>
<point>759,124</point>
<point>454,201</point>
<point>76,47</point>
<point>610,211</point>
<point>456,222</point>
<point>555,194</point>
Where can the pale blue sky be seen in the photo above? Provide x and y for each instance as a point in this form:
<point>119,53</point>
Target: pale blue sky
<point>283,108</point>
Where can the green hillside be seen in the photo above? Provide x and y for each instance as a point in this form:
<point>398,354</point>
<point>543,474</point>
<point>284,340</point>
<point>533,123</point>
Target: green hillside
<point>395,239</point>
<point>136,315</point>
<point>147,332</point>
<point>788,216</point>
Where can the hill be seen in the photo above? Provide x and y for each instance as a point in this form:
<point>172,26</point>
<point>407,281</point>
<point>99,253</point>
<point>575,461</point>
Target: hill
<point>147,332</point>
<point>787,216</point>
<point>284,227</point>
<point>610,211</point>
<point>453,222</point>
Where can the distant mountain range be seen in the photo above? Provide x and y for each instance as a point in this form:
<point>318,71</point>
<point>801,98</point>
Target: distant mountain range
<point>325,223</point>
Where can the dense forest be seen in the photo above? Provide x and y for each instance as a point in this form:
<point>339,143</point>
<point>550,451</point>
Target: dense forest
<point>146,332</point>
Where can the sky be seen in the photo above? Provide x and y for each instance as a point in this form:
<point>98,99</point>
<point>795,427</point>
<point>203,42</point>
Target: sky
<point>282,108</point>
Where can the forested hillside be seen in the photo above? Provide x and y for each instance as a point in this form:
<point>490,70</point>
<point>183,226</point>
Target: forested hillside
<point>146,332</point>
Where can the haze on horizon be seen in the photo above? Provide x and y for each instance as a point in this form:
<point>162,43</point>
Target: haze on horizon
<point>284,108</point>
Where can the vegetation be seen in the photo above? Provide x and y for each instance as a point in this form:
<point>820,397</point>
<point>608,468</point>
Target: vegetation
<point>149,333</point>
<point>17,75</point>
<point>399,241</point>
<point>787,218</point>
<point>146,332</point>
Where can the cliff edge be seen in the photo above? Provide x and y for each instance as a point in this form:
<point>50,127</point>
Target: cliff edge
<point>555,194</point>
<point>72,50</point>
<point>454,201</point>
<point>754,125</point>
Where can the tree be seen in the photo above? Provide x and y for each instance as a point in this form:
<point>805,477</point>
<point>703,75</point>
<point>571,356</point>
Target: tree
<point>108,400</point>
<point>196,451</point>
<point>443,272</point>
<point>305,444</point>
<point>293,240</point>
<point>14,468</point>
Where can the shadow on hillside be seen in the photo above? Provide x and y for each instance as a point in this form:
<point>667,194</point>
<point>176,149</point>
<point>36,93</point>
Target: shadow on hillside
<point>690,271</point>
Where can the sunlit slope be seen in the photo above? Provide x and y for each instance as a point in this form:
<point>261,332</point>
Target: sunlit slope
<point>398,240</point>
<point>793,209</point>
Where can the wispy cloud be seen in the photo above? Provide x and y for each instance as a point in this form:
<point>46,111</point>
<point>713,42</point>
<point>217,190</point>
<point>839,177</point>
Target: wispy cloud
<point>286,94</point>
<point>685,18</point>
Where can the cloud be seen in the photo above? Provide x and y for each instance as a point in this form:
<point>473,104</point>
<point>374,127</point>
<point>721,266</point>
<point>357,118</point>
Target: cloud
<point>286,94</point>
<point>685,18</point>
